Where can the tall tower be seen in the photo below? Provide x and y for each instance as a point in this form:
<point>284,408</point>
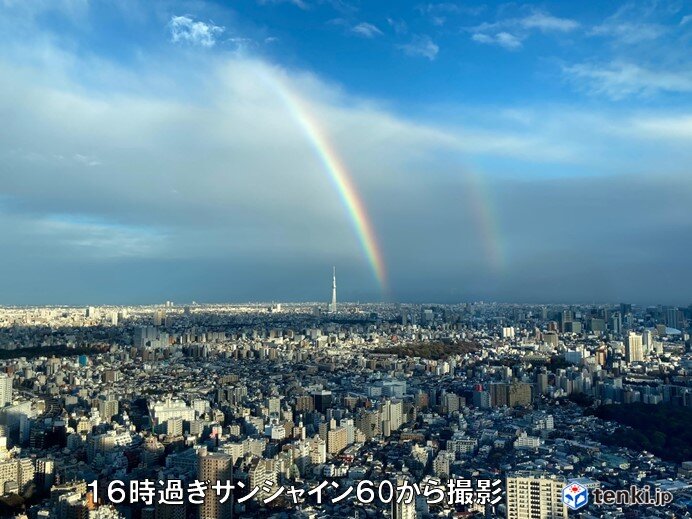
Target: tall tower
<point>332,305</point>
<point>5,389</point>
<point>215,467</point>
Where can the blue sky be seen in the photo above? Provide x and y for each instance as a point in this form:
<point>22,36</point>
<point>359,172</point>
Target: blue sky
<point>507,151</point>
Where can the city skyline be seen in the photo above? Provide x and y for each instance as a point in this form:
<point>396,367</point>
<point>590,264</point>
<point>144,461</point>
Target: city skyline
<point>433,152</point>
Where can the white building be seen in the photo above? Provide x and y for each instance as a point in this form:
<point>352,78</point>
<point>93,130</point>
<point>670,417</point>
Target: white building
<point>531,495</point>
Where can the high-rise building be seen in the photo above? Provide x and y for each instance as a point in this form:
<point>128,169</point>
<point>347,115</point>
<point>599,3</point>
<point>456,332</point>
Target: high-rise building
<point>648,341</point>
<point>332,305</point>
<point>597,325</point>
<point>159,317</point>
<point>541,383</point>
<point>45,473</point>
<point>323,400</point>
<point>616,323</point>
<point>634,350</point>
<point>511,395</point>
<point>671,317</point>
<point>213,467</point>
<point>337,440</point>
<point>108,407</point>
<point>531,495</point>
<point>5,389</point>
<point>403,508</point>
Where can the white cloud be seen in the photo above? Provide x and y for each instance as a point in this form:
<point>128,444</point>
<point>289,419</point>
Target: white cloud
<point>546,22</point>
<point>399,26</point>
<point>629,32</point>
<point>503,39</point>
<point>438,13</point>
<point>511,32</point>
<point>298,3</point>
<point>634,23</point>
<point>185,29</point>
<point>618,80</point>
<point>686,19</point>
<point>366,30</point>
<point>421,46</point>
<point>86,160</point>
<point>677,127</point>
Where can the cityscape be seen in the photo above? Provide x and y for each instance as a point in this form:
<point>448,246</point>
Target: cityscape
<point>283,398</point>
<point>315,259</point>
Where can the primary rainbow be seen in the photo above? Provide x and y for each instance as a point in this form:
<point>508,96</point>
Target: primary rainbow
<point>338,174</point>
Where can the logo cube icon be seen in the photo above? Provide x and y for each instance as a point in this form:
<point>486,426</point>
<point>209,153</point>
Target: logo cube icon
<point>575,495</point>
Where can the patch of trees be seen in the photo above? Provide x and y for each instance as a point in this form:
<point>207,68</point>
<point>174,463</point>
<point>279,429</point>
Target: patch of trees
<point>49,351</point>
<point>429,350</point>
<point>661,429</point>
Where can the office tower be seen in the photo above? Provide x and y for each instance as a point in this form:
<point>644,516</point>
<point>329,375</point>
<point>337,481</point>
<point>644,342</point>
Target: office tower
<point>565,317</point>
<point>403,509</point>
<point>323,401</point>
<point>573,327</point>
<point>511,395</point>
<point>332,305</point>
<point>671,317</point>
<point>5,389</point>
<point>597,325</point>
<point>541,383</point>
<point>648,341</point>
<point>531,495</point>
<point>159,317</point>
<point>213,467</point>
<point>634,350</point>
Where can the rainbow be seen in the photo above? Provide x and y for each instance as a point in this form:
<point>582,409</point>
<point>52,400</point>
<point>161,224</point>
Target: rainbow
<point>481,205</point>
<point>338,174</point>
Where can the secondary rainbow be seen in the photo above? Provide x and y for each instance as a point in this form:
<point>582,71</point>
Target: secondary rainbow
<point>486,221</point>
<point>338,174</point>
